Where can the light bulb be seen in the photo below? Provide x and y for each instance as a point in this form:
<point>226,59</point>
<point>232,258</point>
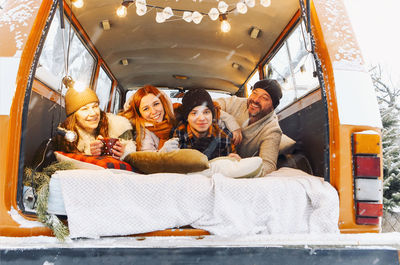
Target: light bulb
<point>78,3</point>
<point>222,7</point>
<point>250,3</point>
<point>122,11</point>
<point>213,14</point>
<point>197,17</point>
<point>79,86</point>
<point>241,8</point>
<point>168,12</point>
<point>265,3</point>
<point>187,16</point>
<point>141,10</point>
<point>225,26</point>
<point>160,17</point>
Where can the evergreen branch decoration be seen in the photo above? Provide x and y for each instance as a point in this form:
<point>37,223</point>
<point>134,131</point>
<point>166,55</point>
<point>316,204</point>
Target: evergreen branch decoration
<point>50,220</point>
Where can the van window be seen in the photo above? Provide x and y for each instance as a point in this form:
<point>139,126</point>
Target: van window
<point>253,79</point>
<point>52,68</point>
<point>116,99</point>
<point>104,83</point>
<point>293,67</point>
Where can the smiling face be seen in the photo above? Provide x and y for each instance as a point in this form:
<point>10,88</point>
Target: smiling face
<point>200,119</point>
<point>151,108</point>
<point>259,104</point>
<point>88,117</point>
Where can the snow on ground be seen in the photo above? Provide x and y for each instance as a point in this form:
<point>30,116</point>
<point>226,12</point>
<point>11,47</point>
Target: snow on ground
<point>368,240</point>
<point>24,223</point>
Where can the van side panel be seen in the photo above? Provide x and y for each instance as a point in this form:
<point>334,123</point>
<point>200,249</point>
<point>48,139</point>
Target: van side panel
<point>337,49</point>
<point>43,117</point>
<point>33,24</point>
<point>307,128</point>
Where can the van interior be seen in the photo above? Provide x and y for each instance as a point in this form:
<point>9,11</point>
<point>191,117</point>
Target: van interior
<point>115,54</point>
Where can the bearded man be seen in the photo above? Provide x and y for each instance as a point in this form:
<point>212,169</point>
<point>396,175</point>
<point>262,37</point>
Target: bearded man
<point>258,132</point>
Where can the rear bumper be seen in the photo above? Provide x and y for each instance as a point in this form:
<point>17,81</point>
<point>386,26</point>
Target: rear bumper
<point>201,255</point>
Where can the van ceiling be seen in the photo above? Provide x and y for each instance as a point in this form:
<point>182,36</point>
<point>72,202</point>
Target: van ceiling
<point>156,52</point>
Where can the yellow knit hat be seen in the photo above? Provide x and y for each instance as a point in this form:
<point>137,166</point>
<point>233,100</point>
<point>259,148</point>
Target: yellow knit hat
<point>74,100</point>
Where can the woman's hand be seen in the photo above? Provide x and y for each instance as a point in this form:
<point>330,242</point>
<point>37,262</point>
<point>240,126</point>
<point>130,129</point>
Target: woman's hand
<point>235,156</point>
<point>96,146</point>
<point>118,149</point>
<point>237,136</point>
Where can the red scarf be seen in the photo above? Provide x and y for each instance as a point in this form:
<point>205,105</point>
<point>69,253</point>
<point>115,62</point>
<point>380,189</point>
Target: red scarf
<point>162,130</point>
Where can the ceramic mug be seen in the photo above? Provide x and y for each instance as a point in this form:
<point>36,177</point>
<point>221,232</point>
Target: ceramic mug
<point>108,144</point>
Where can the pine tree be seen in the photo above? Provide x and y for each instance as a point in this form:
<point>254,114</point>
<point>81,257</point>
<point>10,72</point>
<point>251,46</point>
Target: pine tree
<point>387,94</point>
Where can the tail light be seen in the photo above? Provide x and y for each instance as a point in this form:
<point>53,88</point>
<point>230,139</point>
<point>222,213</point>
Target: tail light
<point>367,177</point>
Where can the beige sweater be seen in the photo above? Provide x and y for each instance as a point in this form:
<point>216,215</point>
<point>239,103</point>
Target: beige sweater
<point>261,138</point>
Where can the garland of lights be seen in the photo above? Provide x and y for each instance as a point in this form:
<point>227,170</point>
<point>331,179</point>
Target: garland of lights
<point>191,15</point>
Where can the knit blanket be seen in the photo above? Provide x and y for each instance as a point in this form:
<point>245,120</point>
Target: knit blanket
<point>115,202</point>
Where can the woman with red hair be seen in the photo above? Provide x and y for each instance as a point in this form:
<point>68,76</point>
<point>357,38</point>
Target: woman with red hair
<point>151,113</point>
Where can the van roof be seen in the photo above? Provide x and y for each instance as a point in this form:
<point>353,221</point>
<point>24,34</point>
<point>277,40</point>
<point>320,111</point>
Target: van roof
<point>158,51</point>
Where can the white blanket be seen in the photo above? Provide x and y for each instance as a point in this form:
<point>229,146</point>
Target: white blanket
<point>112,202</point>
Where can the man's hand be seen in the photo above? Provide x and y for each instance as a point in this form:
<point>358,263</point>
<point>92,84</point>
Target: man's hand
<point>237,136</point>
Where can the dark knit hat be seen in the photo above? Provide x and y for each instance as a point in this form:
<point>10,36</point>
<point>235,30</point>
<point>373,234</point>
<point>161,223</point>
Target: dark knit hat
<point>272,87</point>
<point>194,98</point>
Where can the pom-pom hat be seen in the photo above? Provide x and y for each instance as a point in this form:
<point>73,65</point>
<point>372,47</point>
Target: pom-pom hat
<point>272,87</point>
<point>74,99</point>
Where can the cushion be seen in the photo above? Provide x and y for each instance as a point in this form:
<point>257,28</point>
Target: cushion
<point>287,145</point>
<point>92,162</point>
<point>177,161</point>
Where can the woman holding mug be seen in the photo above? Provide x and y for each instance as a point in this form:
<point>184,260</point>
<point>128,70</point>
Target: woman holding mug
<point>91,125</point>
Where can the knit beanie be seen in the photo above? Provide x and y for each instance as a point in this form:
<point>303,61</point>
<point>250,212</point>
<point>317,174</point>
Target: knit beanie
<point>194,98</point>
<point>272,87</point>
<point>74,100</point>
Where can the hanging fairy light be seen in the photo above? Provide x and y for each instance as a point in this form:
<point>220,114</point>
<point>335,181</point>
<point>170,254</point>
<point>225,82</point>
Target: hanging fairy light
<point>222,7</point>
<point>122,11</point>
<point>250,3</point>
<point>265,3</point>
<point>213,14</point>
<point>225,26</point>
<point>188,15</point>
<point>197,17</point>
<point>78,3</point>
<point>241,8</point>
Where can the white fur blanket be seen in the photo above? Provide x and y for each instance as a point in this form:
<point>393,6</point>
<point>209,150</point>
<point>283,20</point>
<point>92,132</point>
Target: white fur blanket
<point>113,202</point>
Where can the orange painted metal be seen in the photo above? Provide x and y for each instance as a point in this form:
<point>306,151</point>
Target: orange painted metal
<point>366,143</point>
<point>10,153</point>
<point>327,46</point>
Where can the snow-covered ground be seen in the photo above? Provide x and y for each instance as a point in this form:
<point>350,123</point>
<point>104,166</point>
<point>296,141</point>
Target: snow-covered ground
<point>383,240</point>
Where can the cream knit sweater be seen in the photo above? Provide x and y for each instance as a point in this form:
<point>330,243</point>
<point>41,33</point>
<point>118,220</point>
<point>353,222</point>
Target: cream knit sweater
<point>117,126</point>
<point>261,138</point>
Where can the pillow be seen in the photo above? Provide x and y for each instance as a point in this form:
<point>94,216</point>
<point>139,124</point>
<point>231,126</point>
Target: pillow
<point>287,145</point>
<point>92,162</point>
<point>177,161</point>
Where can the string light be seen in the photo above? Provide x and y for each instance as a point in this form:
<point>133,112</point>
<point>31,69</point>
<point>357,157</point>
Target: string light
<point>225,26</point>
<point>78,3</point>
<point>189,16</point>
<point>122,11</point>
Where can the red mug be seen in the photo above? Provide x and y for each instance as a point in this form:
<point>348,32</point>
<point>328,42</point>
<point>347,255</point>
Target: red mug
<point>108,144</point>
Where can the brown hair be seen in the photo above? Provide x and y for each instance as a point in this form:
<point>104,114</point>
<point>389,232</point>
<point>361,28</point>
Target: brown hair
<point>70,124</point>
<point>132,113</point>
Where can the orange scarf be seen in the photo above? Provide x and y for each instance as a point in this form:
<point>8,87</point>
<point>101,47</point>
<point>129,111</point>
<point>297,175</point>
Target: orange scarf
<point>162,130</point>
